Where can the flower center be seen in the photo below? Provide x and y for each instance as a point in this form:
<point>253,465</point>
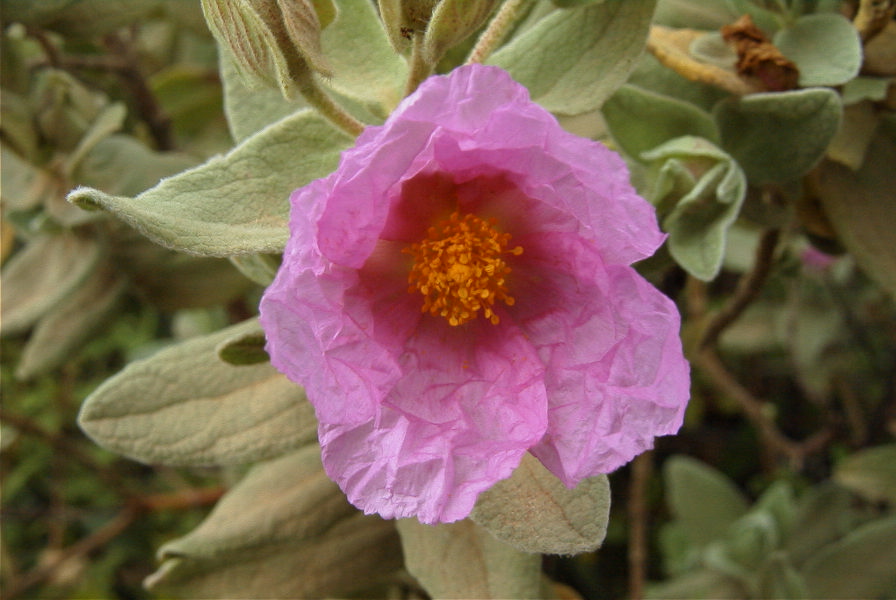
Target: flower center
<point>460,270</point>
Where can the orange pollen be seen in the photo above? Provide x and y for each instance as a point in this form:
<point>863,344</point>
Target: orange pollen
<point>460,268</point>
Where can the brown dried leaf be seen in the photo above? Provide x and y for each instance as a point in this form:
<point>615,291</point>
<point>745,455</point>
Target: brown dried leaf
<point>758,58</point>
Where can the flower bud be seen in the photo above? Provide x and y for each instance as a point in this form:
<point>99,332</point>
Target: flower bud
<point>303,26</point>
<point>451,22</point>
<point>403,18</point>
<point>277,41</point>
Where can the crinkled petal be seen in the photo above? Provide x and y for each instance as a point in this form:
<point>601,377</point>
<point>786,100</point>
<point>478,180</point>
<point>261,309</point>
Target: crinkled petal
<point>459,420</point>
<point>315,335</point>
<point>500,129</point>
<point>479,121</point>
<point>616,375</point>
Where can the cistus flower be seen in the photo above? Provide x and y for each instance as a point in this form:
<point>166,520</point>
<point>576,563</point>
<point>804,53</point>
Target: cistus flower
<point>459,292</point>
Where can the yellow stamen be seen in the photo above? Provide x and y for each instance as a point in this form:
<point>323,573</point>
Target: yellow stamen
<point>460,268</point>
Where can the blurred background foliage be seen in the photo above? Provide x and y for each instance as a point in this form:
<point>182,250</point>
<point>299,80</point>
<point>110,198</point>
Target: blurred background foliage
<point>782,482</point>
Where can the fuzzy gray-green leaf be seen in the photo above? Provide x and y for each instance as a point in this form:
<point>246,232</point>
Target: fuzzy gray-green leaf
<point>365,67</point>
<point>250,106</point>
<point>777,137</point>
<point>858,566</point>
<point>534,512</point>
<point>184,406</point>
<point>574,59</point>
<point>285,531</point>
<point>703,499</point>
<point>860,207</point>
<point>42,275</point>
<point>640,119</point>
<point>232,204</point>
<point>698,190</point>
<point>870,472</point>
<point>60,333</point>
<point>825,47</point>
<point>463,560</point>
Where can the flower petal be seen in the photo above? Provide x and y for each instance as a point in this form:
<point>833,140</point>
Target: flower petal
<point>315,335</point>
<point>459,420</point>
<point>616,375</point>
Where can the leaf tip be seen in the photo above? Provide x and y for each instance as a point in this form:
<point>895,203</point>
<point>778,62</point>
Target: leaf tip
<point>85,198</point>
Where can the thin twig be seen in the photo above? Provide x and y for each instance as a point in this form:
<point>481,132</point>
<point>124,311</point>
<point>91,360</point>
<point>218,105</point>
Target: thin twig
<point>872,17</point>
<point>82,547</point>
<point>748,289</point>
<point>497,29</point>
<point>147,105</point>
<point>64,447</point>
<point>757,412</point>
<point>187,498</point>
<point>642,467</point>
<point>47,45</point>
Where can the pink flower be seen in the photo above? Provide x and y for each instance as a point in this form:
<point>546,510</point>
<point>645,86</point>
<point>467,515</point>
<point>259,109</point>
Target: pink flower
<point>459,292</point>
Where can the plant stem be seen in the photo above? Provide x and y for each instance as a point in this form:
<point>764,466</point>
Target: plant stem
<point>642,467</point>
<point>326,106</point>
<point>747,289</point>
<point>145,99</point>
<point>500,24</point>
<point>420,68</point>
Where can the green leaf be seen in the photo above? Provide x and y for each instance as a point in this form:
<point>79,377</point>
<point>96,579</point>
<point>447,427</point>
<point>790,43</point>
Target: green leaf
<point>779,580</point>
<point>705,501</point>
<point>42,275</point>
<point>777,137</point>
<point>260,268</point>
<point>870,473</point>
<point>365,67</point>
<point>284,531</point>
<point>574,59</point>
<point>823,515</point>
<point>698,14</point>
<point>859,205</point>
<point>825,47</point>
<point>650,74</point>
<point>463,560</point>
<point>858,566</point>
<point>250,108</point>
<point>59,335</point>
<point>20,185</point>
<point>865,88</point>
<point>640,119</point>
<point>244,349</point>
<point>192,100</point>
<point>534,512</point>
<point>235,204</point>
<point>17,125</point>
<point>452,21</point>
<point>110,120</point>
<point>183,406</point>
<point>699,584</point>
<point>699,191</point>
